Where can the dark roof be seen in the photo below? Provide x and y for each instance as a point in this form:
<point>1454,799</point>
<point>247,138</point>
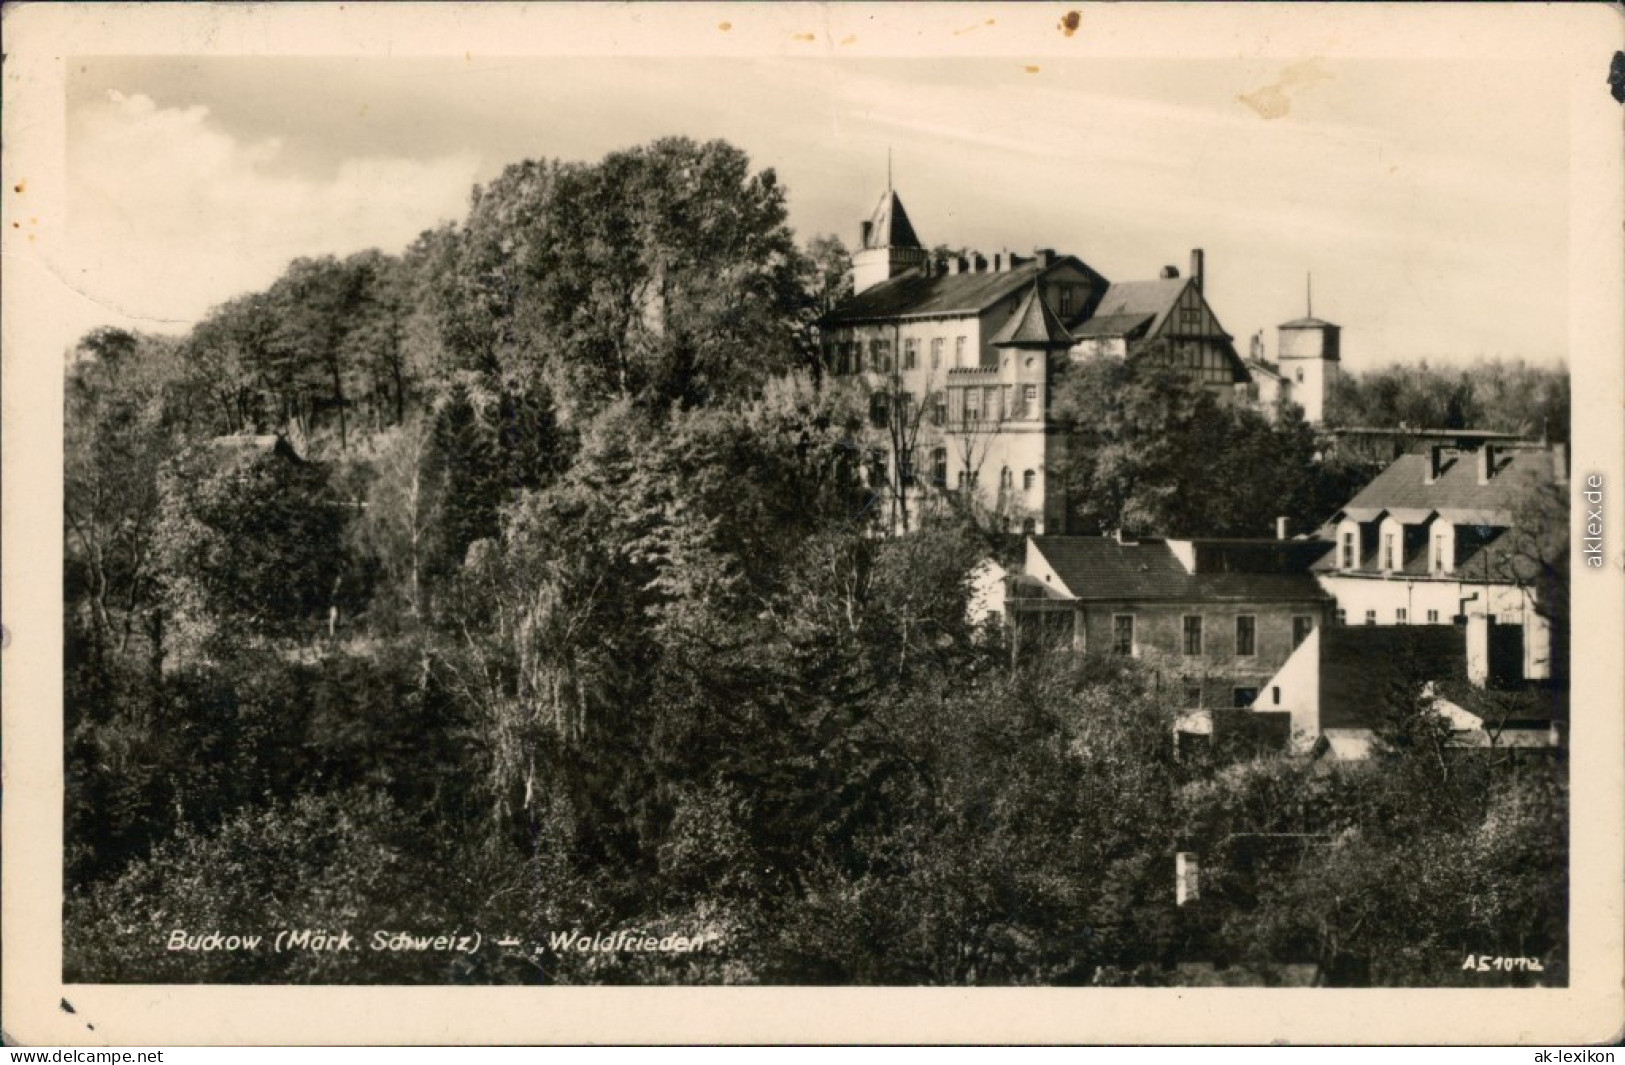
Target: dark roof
<point>913,293</point>
<point>1258,366</point>
<point>1364,668</point>
<point>1456,493</point>
<point>889,226</point>
<point>1033,325</point>
<point>1102,568</point>
<point>1154,298</point>
<point>1308,323</point>
<point>1112,325</point>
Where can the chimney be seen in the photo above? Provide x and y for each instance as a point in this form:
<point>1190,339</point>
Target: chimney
<point>978,261</point>
<point>1170,272</point>
<point>957,264</point>
<point>1478,649</point>
<point>1187,878</point>
<point>1486,462</point>
<point>868,232</point>
<point>1196,267</point>
<point>1046,257</point>
<point>1280,528</point>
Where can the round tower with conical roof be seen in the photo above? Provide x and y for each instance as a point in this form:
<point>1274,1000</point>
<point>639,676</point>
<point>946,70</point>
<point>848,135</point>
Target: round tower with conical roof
<point>1310,360</point>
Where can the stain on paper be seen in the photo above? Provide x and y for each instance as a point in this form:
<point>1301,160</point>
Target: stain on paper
<point>1069,23</point>
<point>1275,101</point>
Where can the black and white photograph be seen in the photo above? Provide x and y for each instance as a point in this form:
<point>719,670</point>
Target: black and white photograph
<point>1104,499</point>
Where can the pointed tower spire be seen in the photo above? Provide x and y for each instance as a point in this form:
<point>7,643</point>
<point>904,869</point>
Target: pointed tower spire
<point>1033,325</point>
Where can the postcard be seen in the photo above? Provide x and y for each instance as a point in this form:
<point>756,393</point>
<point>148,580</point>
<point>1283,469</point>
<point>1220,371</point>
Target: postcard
<point>774,523</point>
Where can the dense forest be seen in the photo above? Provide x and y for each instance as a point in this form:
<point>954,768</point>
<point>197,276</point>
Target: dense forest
<point>530,582</point>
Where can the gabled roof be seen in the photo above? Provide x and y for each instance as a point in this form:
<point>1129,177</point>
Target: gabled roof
<point>1455,493</point>
<point>1101,568</point>
<point>1033,325</point>
<point>1267,369</point>
<point>1113,325</point>
<point>889,226</point>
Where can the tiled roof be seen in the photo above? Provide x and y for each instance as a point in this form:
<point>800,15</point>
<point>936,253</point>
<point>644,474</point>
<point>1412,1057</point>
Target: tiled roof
<point>1364,668</point>
<point>889,226</point>
<point>1101,568</point>
<point>1112,325</point>
<point>1456,493</point>
<point>1154,298</point>
<point>1033,325</point>
<point>1255,366</point>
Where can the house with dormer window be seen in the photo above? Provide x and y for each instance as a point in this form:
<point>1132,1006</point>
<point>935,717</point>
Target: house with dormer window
<point>1428,542</point>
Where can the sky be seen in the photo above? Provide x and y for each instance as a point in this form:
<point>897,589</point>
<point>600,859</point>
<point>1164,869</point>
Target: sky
<point>1428,200</point>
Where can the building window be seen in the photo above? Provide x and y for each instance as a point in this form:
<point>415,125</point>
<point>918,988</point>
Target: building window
<point>905,467</point>
<point>880,409</point>
<point>877,469</point>
<point>1246,635</point>
<point>1028,479</point>
<point>1300,375</point>
<point>939,408</point>
<point>1401,615</point>
<point>880,350</point>
<point>936,353</point>
<point>1029,525</point>
<point>1342,616</point>
<point>1245,697</point>
<point>1348,550</point>
<point>857,356</point>
<point>1193,693</point>
<point>1388,553</point>
<point>1066,301</point>
<point>1029,401</point>
<point>1370,617</point>
<point>959,351</point>
<point>1433,617</point>
<point>973,404</point>
<point>939,467</point>
<point>967,479</point>
<point>1301,628</point>
<point>1193,634</point>
<point>1123,634</point>
<point>1006,479</point>
<point>911,353</point>
<point>1438,552</point>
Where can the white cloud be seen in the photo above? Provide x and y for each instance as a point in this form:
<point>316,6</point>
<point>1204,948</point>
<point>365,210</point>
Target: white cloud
<point>169,214</point>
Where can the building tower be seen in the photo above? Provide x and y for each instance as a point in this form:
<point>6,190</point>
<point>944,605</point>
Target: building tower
<point>887,245</point>
<point>1309,357</point>
<point>1032,344</point>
